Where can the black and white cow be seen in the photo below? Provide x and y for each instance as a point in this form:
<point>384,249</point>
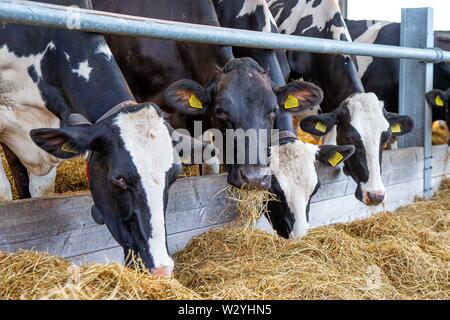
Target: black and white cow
<point>381,75</point>
<point>233,93</point>
<point>49,74</point>
<point>350,116</point>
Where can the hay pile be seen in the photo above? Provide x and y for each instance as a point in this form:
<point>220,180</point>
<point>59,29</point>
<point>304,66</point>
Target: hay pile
<point>405,255</point>
<point>28,275</point>
<point>70,178</point>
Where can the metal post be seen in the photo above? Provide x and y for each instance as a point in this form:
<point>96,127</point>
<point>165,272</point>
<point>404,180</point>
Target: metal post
<point>416,78</point>
<point>344,8</point>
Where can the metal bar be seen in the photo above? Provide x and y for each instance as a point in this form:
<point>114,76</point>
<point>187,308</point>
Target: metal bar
<point>41,14</point>
<point>343,4</point>
<point>416,79</point>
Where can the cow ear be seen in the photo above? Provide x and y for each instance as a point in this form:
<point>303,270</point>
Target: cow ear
<point>437,99</point>
<point>334,155</point>
<point>400,125</point>
<point>299,96</point>
<point>319,125</point>
<point>187,97</point>
<point>63,143</point>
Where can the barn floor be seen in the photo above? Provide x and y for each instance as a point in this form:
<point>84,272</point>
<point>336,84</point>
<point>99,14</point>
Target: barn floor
<point>404,255</point>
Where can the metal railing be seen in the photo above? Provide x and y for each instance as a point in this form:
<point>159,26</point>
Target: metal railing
<point>40,14</point>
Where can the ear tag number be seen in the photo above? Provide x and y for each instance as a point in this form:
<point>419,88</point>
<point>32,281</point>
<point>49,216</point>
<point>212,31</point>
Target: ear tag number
<point>438,101</point>
<point>336,159</point>
<point>66,147</point>
<point>321,127</point>
<point>291,102</point>
<point>396,128</point>
<point>195,103</point>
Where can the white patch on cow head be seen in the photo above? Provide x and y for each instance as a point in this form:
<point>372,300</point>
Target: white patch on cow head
<point>368,37</point>
<point>103,48</point>
<point>147,139</point>
<point>368,120</point>
<point>250,6</point>
<point>83,70</point>
<point>294,167</point>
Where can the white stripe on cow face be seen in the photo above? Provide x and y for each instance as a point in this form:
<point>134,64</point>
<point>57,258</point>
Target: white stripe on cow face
<point>250,6</point>
<point>368,120</point>
<point>368,37</point>
<point>294,167</point>
<point>83,70</point>
<point>147,139</point>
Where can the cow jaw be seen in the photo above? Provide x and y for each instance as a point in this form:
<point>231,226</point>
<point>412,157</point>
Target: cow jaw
<point>294,167</point>
<point>148,142</point>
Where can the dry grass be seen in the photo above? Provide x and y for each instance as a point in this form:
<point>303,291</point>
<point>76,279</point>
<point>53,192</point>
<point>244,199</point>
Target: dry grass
<point>28,275</point>
<point>404,255</point>
<point>71,176</point>
<point>251,204</point>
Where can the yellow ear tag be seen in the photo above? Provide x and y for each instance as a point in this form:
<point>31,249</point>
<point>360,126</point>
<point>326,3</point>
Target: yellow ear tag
<point>195,103</point>
<point>396,128</point>
<point>438,101</point>
<point>321,127</point>
<point>336,159</point>
<point>67,148</point>
<point>291,102</point>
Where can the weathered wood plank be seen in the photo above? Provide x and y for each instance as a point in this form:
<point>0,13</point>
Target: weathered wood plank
<point>63,225</point>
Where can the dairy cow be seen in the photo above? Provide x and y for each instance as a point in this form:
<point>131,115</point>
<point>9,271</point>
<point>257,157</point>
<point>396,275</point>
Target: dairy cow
<point>63,95</point>
<point>230,93</point>
<point>350,116</point>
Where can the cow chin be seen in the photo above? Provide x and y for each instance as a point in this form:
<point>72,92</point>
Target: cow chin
<point>249,177</point>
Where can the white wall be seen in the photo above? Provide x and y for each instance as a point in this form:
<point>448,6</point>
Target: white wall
<point>390,10</point>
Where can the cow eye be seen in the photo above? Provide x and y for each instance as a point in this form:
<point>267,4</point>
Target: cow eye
<point>220,112</point>
<point>119,182</point>
<point>272,114</point>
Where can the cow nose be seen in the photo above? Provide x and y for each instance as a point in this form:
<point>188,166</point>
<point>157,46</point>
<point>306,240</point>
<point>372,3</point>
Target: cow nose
<point>374,198</point>
<point>255,179</point>
<point>162,272</point>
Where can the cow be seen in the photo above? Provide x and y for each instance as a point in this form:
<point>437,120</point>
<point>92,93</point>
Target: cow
<point>381,75</point>
<point>230,93</point>
<point>350,115</point>
<point>63,95</point>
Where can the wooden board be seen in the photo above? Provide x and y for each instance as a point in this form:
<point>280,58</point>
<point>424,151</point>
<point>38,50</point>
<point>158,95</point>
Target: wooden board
<point>63,225</point>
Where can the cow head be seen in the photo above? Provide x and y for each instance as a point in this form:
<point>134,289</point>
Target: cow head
<point>439,101</point>
<point>295,181</point>
<point>242,97</point>
<point>361,121</point>
<point>131,168</point>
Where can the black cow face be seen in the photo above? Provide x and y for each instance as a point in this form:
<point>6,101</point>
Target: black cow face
<point>242,97</point>
<point>130,170</point>
<point>295,181</point>
<point>361,121</point>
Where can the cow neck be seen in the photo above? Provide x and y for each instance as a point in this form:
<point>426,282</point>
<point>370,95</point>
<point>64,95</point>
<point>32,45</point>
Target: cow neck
<point>79,119</point>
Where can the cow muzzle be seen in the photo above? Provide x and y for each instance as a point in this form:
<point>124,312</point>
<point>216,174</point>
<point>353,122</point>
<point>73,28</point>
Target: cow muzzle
<point>250,177</point>
<point>373,198</point>
<point>165,272</point>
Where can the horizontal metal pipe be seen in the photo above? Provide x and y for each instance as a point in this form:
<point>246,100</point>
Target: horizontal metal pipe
<point>40,14</point>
